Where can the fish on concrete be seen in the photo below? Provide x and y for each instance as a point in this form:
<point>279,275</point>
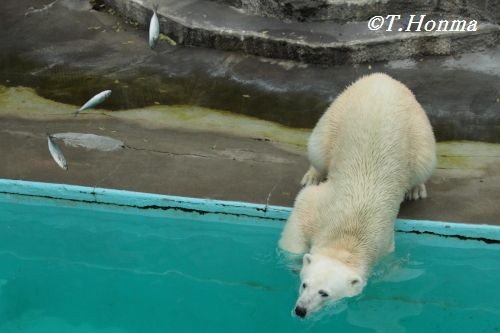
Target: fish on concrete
<point>56,153</point>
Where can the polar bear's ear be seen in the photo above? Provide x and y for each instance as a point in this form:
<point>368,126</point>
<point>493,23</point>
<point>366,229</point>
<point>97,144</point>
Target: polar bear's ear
<point>306,260</point>
<point>356,285</point>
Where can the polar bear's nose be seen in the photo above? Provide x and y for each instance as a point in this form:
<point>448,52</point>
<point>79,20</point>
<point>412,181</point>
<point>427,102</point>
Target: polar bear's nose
<point>300,311</point>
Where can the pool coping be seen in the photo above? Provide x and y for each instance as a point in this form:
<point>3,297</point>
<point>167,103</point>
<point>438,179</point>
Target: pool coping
<point>221,210</point>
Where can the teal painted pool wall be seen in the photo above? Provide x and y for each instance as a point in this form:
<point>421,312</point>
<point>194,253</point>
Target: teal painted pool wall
<point>205,209</point>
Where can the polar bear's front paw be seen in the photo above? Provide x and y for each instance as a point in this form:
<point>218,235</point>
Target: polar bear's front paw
<point>417,192</point>
<point>312,177</point>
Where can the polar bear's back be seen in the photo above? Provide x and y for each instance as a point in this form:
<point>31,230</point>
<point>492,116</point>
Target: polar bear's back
<point>372,145</point>
<point>369,129</point>
<point>376,96</point>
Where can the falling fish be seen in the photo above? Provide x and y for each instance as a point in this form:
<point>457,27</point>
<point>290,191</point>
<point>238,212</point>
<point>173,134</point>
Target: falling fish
<point>97,99</point>
<point>154,29</point>
<point>56,153</point>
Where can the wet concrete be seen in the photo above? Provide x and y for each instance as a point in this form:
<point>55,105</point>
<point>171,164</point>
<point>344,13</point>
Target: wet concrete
<point>84,51</point>
<point>213,25</point>
<point>213,124</point>
<point>358,10</point>
<point>260,164</point>
<point>186,163</point>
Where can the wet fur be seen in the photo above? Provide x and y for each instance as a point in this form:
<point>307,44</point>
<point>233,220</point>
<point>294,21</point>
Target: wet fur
<point>373,146</point>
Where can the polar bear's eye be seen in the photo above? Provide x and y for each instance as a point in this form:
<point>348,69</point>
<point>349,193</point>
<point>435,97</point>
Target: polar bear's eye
<point>304,285</point>
<point>323,293</point>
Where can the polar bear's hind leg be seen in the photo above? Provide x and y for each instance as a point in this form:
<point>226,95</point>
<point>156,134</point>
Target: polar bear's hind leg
<point>416,192</point>
<point>312,177</point>
<point>423,156</point>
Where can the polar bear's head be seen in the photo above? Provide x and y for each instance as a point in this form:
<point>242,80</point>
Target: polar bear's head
<point>324,280</point>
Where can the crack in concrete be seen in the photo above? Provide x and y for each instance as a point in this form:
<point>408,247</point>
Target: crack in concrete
<point>146,207</point>
<point>131,66</point>
<point>118,165</point>
<point>166,152</point>
<point>23,133</point>
<point>39,10</point>
<point>217,157</point>
<point>461,237</point>
<point>468,156</point>
<point>169,153</point>
<point>203,212</point>
<point>457,168</point>
<point>270,193</point>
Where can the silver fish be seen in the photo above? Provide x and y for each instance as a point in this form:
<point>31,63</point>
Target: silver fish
<point>56,153</point>
<point>154,29</point>
<point>97,99</point>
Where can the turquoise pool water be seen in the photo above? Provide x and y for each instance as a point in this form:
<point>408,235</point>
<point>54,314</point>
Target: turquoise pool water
<point>76,267</point>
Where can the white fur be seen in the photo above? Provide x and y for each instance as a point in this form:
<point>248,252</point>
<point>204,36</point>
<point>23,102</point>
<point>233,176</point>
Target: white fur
<point>373,146</point>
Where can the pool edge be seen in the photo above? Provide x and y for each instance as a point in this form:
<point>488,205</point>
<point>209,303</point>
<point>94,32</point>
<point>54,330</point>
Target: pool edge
<point>229,209</point>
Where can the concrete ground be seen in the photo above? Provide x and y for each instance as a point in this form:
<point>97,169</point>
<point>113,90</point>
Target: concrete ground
<point>221,26</point>
<point>170,108</point>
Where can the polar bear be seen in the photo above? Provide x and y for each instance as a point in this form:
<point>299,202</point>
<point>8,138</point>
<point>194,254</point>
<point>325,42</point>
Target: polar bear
<point>373,147</point>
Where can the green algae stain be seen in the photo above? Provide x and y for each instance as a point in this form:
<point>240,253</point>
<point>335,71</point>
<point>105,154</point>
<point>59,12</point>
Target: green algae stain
<point>203,119</point>
<point>25,103</point>
<point>467,155</point>
<point>142,87</point>
<point>452,162</point>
